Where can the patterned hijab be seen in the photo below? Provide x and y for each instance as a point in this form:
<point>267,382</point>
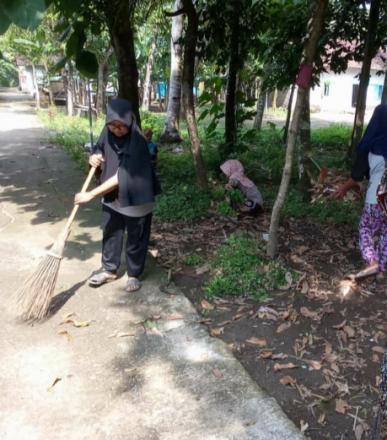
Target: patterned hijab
<point>233,169</point>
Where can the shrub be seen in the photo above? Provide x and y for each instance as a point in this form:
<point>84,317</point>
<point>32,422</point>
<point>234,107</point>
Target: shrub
<point>239,267</point>
<point>325,211</point>
<point>264,160</point>
<point>182,203</point>
<point>154,121</point>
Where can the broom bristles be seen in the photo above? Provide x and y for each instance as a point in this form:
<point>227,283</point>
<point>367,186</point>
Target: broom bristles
<point>34,296</point>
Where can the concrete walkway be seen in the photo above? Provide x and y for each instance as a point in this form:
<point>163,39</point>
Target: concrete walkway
<point>107,364</point>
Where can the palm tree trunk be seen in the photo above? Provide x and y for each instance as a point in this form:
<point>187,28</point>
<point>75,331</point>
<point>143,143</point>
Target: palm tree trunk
<point>36,87</point>
<point>172,123</point>
<point>101,87</point>
<point>146,99</point>
<point>188,96</point>
<point>69,90</point>
<point>303,81</point>
<point>260,108</point>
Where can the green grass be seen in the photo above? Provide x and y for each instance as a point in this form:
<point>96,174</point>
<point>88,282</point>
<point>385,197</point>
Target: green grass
<point>325,211</point>
<point>194,260</point>
<point>182,203</point>
<point>241,268</point>
<point>70,132</point>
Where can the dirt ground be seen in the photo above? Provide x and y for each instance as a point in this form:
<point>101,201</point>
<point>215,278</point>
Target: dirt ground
<point>315,350</point>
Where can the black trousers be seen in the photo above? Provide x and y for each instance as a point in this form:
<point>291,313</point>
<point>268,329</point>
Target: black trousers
<point>138,232</point>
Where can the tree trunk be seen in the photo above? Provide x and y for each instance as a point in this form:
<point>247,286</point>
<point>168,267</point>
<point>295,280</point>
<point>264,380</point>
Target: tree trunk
<point>304,79</point>
<point>188,95</point>
<point>36,87</point>
<point>261,102</point>
<point>69,90</point>
<point>232,85</point>
<point>146,99</point>
<point>274,100</point>
<point>369,53</point>
<point>49,88</point>
<point>384,94</point>
<point>119,15</point>
<point>172,123</point>
<point>305,148</point>
<point>101,88</point>
<point>289,113</point>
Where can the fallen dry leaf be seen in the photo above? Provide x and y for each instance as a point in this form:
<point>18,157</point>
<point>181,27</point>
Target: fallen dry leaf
<point>340,326</point>
<point>206,305</point>
<point>260,342</point>
<point>305,287</point>
<point>359,430</point>
<point>375,358</point>
<point>279,356</point>
<point>65,333</point>
<point>342,388</point>
<point>154,252</point>
<point>310,314</point>
<point>315,365</point>
<point>121,335</point>
<point>303,426</point>
<point>281,328</point>
<point>202,269</point>
<point>287,380</point>
<point>266,354</point>
<point>68,315</point>
<point>56,380</point>
<point>279,367</point>
<point>217,331</point>
<point>321,418</point>
<point>76,323</point>
<point>378,349</point>
<point>341,406</point>
<point>217,373</point>
<point>349,331</point>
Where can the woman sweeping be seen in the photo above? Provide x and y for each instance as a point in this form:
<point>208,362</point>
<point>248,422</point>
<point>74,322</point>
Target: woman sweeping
<point>128,186</point>
<point>371,163</point>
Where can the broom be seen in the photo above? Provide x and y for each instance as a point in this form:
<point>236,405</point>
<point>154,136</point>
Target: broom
<point>34,297</point>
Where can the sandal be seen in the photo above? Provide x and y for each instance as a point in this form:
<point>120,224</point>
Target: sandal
<point>132,284</point>
<point>100,277</point>
<point>367,272</point>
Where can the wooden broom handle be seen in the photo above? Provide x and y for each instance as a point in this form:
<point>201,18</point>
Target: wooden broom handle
<point>76,207</point>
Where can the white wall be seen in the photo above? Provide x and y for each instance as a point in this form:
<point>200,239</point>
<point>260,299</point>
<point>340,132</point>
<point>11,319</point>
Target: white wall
<point>339,98</point>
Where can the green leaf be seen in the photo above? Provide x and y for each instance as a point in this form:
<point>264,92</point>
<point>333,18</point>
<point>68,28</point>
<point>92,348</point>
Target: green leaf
<point>75,43</point>
<point>4,22</point>
<point>202,115</point>
<point>59,65</point>
<point>24,42</point>
<point>87,64</point>
<point>69,7</point>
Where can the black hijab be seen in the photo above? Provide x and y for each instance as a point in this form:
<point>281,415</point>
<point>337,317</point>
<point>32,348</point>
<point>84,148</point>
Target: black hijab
<point>129,154</point>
